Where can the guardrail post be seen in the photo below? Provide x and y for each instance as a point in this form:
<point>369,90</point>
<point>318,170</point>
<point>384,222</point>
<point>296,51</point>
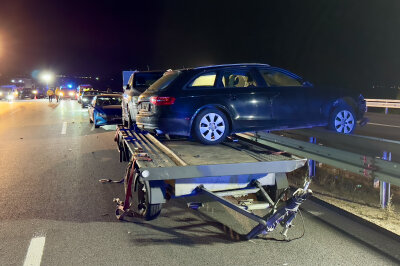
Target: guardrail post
<point>311,163</point>
<point>384,186</point>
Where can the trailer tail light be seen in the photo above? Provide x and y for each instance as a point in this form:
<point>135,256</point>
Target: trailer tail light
<point>157,100</point>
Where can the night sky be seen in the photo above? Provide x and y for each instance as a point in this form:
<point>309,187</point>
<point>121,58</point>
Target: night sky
<point>353,44</point>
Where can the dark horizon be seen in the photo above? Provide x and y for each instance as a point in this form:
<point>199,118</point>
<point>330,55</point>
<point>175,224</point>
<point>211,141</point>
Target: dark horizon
<point>352,44</point>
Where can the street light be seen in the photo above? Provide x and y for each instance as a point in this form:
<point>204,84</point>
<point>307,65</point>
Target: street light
<point>47,77</point>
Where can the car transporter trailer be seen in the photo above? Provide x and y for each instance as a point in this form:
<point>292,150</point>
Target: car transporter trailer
<point>159,170</point>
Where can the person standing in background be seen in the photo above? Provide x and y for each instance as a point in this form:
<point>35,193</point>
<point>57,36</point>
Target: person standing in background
<point>58,91</point>
<point>50,93</point>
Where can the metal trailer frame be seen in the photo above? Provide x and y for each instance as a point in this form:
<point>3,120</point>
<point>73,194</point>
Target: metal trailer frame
<point>164,175</point>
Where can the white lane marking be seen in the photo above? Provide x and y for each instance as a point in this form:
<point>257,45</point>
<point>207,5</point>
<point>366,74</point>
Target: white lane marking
<point>64,129</point>
<point>382,125</point>
<point>35,251</point>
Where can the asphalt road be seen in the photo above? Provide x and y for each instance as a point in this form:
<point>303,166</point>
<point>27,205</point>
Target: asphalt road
<point>381,126</point>
<point>51,159</point>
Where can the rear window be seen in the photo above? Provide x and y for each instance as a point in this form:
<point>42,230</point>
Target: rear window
<point>103,101</point>
<point>162,83</point>
<point>146,79</point>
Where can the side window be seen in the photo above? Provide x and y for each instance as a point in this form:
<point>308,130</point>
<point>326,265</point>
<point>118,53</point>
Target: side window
<point>205,80</point>
<point>238,79</point>
<point>277,79</point>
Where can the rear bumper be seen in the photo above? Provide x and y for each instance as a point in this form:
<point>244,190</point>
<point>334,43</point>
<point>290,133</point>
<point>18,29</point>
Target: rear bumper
<point>164,125</point>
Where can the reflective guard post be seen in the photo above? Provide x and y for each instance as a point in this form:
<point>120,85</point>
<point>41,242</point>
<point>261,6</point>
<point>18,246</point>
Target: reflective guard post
<point>384,186</point>
<point>311,163</point>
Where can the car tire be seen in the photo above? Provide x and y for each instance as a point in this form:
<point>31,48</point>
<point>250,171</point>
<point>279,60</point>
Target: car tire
<point>342,120</point>
<point>210,126</point>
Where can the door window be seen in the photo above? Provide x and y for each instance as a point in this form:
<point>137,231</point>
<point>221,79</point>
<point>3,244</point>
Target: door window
<point>275,78</point>
<point>205,80</point>
<point>237,79</point>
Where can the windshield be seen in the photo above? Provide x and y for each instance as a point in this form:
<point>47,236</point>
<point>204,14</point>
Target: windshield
<point>163,82</point>
<point>103,101</point>
<point>90,93</point>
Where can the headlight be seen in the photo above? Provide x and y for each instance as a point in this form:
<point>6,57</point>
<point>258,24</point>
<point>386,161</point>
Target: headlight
<point>71,93</point>
<point>61,94</point>
<point>34,91</point>
<point>1,93</point>
<point>84,99</point>
<point>10,97</point>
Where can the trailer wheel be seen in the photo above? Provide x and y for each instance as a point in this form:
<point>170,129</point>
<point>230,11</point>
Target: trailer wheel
<point>141,200</point>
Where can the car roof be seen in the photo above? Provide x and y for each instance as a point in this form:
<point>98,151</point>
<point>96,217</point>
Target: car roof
<point>233,65</point>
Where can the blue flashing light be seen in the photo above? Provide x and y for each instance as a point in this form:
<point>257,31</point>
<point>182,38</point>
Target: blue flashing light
<point>70,86</point>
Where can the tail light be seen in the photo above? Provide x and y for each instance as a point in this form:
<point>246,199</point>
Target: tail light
<point>157,100</point>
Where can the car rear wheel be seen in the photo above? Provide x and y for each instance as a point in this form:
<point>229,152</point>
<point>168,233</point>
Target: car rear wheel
<point>343,120</point>
<point>211,126</point>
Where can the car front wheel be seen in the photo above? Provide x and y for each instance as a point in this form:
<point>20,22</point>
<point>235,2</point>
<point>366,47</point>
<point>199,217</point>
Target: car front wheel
<point>211,126</point>
<point>343,120</point>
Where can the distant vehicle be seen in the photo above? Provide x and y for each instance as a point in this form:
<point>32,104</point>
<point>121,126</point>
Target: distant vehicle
<point>27,93</point>
<point>138,82</point>
<point>212,102</point>
<point>8,92</point>
<point>105,109</point>
<point>87,97</point>
<point>81,89</point>
<point>68,93</point>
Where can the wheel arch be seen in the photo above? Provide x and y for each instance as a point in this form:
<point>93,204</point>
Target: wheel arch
<point>219,107</point>
<point>341,101</point>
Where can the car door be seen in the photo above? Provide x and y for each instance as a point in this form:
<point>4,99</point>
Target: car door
<point>249,101</point>
<point>289,98</point>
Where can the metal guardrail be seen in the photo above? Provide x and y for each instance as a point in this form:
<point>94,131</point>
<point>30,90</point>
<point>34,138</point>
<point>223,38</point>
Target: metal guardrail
<point>357,163</point>
<point>383,103</point>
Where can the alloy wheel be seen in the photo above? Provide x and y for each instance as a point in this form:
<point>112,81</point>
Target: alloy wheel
<point>212,126</point>
<point>344,122</point>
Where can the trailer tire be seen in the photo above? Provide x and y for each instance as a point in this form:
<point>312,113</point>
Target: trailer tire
<point>141,200</point>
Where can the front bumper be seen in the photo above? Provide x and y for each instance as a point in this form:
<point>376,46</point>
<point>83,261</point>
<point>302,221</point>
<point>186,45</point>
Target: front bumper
<point>101,121</point>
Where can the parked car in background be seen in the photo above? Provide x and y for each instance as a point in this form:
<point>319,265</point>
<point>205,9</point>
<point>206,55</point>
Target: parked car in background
<point>105,109</point>
<point>212,102</point>
<point>138,82</point>
<point>81,89</point>
<point>87,97</point>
